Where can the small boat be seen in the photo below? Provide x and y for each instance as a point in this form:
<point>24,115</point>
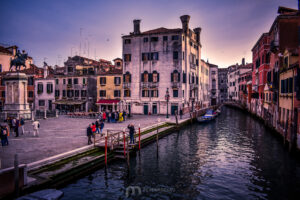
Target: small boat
<point>218,111</point>
<point>209,115</point>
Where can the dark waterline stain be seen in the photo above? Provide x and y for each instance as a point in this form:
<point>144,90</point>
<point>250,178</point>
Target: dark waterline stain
<point>235,157</point>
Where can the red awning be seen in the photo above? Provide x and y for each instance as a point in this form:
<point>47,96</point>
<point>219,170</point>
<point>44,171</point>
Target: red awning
<point>108,101</point>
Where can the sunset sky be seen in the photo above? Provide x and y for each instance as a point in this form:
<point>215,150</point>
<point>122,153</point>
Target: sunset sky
<point>51,29</point>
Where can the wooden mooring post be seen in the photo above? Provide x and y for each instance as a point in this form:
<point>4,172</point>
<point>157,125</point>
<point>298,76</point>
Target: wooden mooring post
<point>105,150</point>
<point>16,173</point>
<point>124,142</point>
<point>139,137</point>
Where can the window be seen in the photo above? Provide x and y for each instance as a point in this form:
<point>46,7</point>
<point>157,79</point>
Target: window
<point>117,93</point>
<point>30,94</point>
<point>76,93</point>
<point>0,67</point>
<point>154,56</point>
<point>175,55</point>
<point>64,93</point>
<point>175,37</point>
<point>184,78</point>
<point>3,94</point>
<point>146,39</point>
<point>182,38</point>
<point>75,81</point>
<point>102,80</point>
<point>145,56</point>
<point>155,77</point>
<point>154,39</point>
<point>127,93</point>
<point>127,77</point>
<point>69,81</point>
<point>290,85</point>
<point>70,93</point>
<point>286,61</point>
<point>41,102</point>
<point>70,69</point>
<point>40,88</point>
<point>145,93</point>
<point>145,77</point>
<point>127,41</point>
<point>64,81</point>
<point>165,38</point>
<point>175,76</point>
<point>56,81</point>
<point>56,93</point>
<point>117,80</point>
<point>102,93</point>
<point>83,93</point>
<point>154,93</point>
<point>213,72</point>
<point>83,81</point>
<point>175,93</point>
<point>183,55</point>
<point>127,57</point>
<point>49,88</point>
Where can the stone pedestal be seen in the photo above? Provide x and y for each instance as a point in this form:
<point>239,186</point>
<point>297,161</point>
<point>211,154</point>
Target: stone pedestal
<point>16,95</point>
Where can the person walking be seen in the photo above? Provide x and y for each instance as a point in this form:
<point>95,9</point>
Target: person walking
<point>4,133</point>
<point>104,116</point>
<point>131,133</point>
<point>17,127</point>
<point>89,134</point>
<point>36,126</point>
<point>112,117</point>
<point>13,124</point>
<point>124,115</point>
<point>97,126</point>
<point>22,123</point>
<point>120,116</point>
<point>101,127</point>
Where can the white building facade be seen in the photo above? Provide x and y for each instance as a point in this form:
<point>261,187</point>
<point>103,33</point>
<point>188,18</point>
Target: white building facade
<point>158,61</point>
<point>213,84</point>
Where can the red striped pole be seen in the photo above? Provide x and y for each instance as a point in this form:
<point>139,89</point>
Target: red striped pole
<point>139,137</point>
<point>124,144</point>
<point>105,150</point>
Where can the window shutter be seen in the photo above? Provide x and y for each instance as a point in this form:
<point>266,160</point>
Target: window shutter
<point>157,77</point>
<point>178,77</point>
<point>123,78</point>
<point>281,86</point>
<point>297,83</point>
<point>142,77</point>
<point>172,79</point>
<point>129,78</point>
<point>150,77</point>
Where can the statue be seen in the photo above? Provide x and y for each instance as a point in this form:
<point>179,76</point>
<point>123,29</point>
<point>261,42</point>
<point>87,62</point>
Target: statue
<point>19,60</point>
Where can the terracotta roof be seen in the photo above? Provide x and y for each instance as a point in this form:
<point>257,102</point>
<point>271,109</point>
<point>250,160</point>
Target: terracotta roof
<point>162,30</point>
<point>5,50</point>
<point>284,10</point>
<point>111,70</point>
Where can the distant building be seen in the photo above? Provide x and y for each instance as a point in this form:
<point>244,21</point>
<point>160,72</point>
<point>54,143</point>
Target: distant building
<point>213,83</point>
<point>161,60</point>
<point>244,80</point>
<point>204,85</point>
<point>222,82</point>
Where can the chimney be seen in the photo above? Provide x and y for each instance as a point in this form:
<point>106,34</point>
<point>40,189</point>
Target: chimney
<point>45,71</point>
<point>197,32</point>
<point>185,23</point>
<point>136,26</point>
<point>243,61</point>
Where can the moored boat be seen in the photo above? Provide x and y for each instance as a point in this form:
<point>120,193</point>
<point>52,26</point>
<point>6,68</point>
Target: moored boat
<point>209,116</point>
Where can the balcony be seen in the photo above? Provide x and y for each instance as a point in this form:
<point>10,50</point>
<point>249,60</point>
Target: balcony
<point>126,85</point>
<point>175,84</point>
<point>69,86</point>
<point>145,84</point>
<point>154,85</point>
<point>193,86</point>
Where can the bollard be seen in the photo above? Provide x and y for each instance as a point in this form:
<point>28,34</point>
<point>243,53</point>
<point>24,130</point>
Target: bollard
<point>124,144</point>
<point>105,150</point>
<point>16,165</point>
<point>139,137</point>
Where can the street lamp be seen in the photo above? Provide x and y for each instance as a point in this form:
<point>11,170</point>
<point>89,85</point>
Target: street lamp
<point>167,97</point>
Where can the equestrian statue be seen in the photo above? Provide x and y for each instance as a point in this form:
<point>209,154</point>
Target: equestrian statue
<point>19,61</point>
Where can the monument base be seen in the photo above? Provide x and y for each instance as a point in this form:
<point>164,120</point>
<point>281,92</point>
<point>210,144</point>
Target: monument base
<point>16,104</point>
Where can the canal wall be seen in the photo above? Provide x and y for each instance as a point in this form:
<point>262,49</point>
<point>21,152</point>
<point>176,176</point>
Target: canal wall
<point>59,170</point>
<point>283,132</point>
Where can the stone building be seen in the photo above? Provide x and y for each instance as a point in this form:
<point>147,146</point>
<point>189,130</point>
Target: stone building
<point>162,63</point>
<point>222,77</point>
<point>213,84</point>
<point>204,85</point>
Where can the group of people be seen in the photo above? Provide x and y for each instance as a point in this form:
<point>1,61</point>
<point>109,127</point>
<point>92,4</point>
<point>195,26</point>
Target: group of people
<point>113,116</point>
<point>15,124</point>
<point>94,128</point>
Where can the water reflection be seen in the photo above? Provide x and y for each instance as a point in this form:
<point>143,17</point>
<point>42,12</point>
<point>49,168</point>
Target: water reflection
<point>234,157</point>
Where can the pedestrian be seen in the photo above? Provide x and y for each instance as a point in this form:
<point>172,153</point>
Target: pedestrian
<point>4,133</point>
<point>89,134</point>
<point>97,126</point>
<point>131,133</point>
<point>101,127</point>
<point>113,117</point>
<point>109,117</point>
<point>180,113</point>
<point>124,115</point>
<point>117,116</point>
<point>93,128</point>
<point>13,124</point>
<point>36,126</point>
<point>104,116</point>
<point>17,127</point>
<point>22,123</point>
<point>120,117</point>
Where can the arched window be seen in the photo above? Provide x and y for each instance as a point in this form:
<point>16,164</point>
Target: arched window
<point>145,77</point>
<point>175,76</point>
<point>155,77</point>
<point>127,77</point>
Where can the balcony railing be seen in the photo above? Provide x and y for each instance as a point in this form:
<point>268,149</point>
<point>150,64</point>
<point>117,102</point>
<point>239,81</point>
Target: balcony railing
<point>153,84</point>
<point>126,85</point>
<point>194,86</point>
<point>175,84</point>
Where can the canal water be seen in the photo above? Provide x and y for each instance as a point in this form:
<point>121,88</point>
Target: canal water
<point>235,157</point>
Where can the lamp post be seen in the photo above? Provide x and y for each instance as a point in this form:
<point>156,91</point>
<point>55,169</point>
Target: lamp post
<point>167,97</point>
